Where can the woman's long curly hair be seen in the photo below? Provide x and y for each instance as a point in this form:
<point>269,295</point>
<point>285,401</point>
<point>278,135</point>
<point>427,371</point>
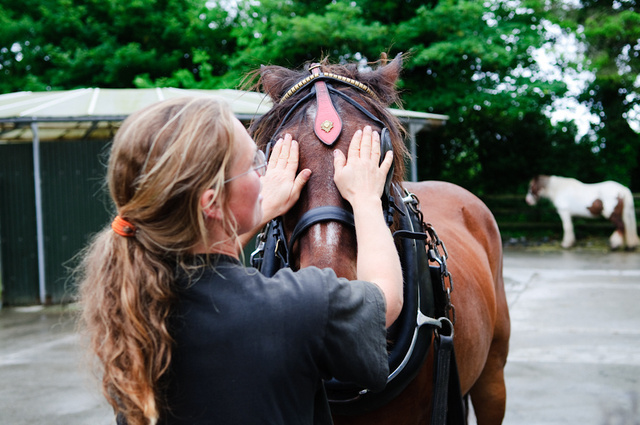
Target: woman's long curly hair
<point>162,160</point>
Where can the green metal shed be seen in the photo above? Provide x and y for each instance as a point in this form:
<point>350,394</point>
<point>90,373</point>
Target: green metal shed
<point>53,153</point>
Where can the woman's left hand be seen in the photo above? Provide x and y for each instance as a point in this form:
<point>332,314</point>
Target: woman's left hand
<point>280,186</point>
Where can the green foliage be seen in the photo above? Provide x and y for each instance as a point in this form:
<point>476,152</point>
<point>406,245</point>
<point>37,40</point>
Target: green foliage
<point>64,44</point>
<point>611,34</point>
<point>280,33</point>
<point>474,64</point>
<point>467,59</point>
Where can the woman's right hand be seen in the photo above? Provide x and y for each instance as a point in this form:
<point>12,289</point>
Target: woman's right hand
<point>281,186</point>
<point>360,177</point>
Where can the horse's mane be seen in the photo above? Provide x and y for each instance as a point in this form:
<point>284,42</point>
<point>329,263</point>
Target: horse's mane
<point>276,80</point>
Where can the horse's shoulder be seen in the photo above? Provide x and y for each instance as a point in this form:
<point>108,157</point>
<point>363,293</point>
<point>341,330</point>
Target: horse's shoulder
<point>436,190</point>
<point>450,203</point>
<point>464,223</point>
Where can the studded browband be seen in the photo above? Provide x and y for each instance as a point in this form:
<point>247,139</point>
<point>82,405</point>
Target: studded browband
<point>326,76</point>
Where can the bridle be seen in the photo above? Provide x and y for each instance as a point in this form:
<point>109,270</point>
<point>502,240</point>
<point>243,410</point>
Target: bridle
<point>426,296</point>
<point>328,117</point>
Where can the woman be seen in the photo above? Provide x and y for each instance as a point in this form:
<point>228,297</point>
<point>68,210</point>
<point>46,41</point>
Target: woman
<point>182,331</point>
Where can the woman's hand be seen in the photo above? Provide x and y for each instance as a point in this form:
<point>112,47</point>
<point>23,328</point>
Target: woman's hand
<point>361,177</point>
<point>280,186</point>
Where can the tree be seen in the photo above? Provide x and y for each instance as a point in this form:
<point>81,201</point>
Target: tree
<point>610,30</point>
<point>613,37</point>
<point>475,64</point>
<point>473,61</point>
<point>65,44</point>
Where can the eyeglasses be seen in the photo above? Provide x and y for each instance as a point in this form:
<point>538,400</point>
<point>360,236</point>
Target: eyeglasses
<point>259,166</point>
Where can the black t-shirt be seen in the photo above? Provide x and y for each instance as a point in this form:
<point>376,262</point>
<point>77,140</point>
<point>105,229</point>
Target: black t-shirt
<point>254,350</point>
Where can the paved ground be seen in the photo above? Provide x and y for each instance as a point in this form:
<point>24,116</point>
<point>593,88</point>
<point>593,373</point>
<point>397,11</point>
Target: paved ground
<point>575,348</point>
<point>43,379</point>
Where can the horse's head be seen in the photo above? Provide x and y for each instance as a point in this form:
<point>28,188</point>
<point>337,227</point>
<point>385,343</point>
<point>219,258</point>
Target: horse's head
<point>322,106</point>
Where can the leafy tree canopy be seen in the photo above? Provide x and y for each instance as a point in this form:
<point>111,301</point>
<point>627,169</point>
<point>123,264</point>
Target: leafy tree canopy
<point>474,61</point>
<point>470,60</point>
<point>610,32</point>
<point>63,44</point>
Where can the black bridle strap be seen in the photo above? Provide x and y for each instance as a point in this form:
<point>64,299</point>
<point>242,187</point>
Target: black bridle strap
<point>312,93</point>
<point>357,106</point>
<point>291,110</point>
<point>319,215</point>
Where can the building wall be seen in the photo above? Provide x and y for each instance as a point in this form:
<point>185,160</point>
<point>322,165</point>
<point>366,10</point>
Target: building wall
<point>74,207</point>
<point>18,225</point>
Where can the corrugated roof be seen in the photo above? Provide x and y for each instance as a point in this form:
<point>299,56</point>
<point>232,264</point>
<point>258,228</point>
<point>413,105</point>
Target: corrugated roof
<point>95,113</point>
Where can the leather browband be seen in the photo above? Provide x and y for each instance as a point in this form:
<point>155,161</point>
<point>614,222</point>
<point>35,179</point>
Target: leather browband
<point>327,76</point>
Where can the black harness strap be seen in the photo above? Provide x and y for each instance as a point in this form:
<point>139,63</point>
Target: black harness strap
<point>271,253</point>
<point>448,406</point>
<point>319,215</point>
<point>410,335</point>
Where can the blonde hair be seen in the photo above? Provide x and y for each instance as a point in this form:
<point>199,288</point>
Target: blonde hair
<point>162,160</point>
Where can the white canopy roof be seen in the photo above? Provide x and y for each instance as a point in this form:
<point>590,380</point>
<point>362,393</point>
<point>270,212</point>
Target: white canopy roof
<point>95,113</point>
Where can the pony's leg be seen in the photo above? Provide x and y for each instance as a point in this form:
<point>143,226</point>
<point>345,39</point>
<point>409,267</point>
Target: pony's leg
<point>489,397</point>
<point>569,237</point>
<point>616,216</point>
<point>616,240</point>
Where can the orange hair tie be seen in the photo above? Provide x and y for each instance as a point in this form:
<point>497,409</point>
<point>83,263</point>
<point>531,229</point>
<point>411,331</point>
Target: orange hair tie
<point>123,227</point>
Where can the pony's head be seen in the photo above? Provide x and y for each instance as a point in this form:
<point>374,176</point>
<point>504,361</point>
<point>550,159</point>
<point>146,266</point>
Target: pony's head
<point>537,189</point>
<point>321,106</point>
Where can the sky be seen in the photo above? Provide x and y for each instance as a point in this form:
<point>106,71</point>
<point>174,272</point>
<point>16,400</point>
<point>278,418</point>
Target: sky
<point>568,47</point>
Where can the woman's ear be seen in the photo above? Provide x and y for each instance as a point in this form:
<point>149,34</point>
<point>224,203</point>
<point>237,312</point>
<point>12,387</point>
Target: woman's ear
<point>209,205</point>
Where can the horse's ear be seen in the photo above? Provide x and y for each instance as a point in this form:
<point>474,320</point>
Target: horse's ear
<point>391,71</point>
<point>385,77</point>
<point>275,80</point>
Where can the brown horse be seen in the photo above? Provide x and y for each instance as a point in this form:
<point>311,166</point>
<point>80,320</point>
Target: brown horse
<point>462,221</point>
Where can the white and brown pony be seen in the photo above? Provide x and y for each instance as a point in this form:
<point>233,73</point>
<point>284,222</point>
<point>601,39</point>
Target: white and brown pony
<point>572,198</point>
